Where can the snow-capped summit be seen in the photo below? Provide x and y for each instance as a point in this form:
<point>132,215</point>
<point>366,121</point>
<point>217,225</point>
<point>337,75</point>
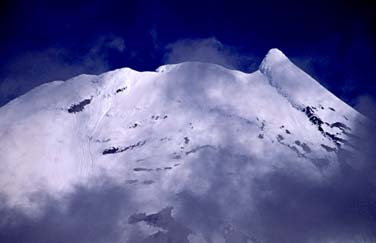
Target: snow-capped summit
<point>273,57</point>
<point>296,85</point>
<point>164,134</point>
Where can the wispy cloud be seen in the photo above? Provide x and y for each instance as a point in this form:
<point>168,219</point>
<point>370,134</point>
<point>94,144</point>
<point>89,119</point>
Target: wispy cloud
<point>366,105</point>
<point>210,50</point>
<point>154,37</point>
<point>33,68</point>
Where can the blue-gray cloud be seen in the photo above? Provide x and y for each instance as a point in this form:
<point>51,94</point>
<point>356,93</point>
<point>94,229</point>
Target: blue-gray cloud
<point>87,215</point>
<point>284,205</point>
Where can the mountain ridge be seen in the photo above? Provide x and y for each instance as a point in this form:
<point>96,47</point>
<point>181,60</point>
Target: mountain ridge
<point>167,133</point>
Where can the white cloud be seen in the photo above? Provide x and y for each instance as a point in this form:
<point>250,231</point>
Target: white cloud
<point>209,50</point>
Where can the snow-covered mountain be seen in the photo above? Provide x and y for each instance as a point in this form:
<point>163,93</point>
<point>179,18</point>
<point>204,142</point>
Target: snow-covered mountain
<point>187,132</point>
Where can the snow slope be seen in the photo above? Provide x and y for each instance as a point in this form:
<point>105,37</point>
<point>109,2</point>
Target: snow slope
<point>166,132</point>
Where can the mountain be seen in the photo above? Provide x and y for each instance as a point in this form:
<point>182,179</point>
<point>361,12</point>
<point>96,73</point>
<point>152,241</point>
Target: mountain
<point>189,143</point>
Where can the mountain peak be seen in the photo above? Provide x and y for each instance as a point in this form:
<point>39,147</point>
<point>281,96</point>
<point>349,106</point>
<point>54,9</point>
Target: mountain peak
<point>159,135</point>
<point>273,57</point>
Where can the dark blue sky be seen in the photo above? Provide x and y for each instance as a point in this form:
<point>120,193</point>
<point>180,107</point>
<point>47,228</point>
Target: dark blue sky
<point>43,41</point>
